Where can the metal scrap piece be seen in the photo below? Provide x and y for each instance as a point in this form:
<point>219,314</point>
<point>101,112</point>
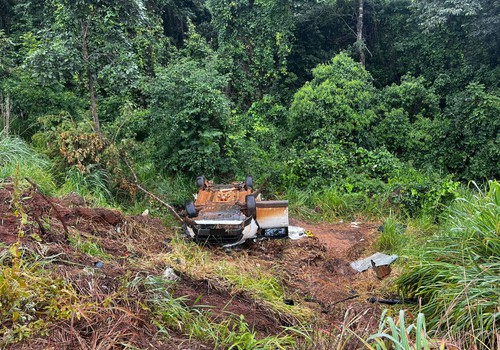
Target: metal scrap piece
<point>379,259</point>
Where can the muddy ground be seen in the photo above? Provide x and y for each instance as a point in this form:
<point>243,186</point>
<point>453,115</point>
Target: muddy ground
<point>315,271</point>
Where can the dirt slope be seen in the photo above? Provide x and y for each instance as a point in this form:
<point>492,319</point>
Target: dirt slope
<point>316,272</point>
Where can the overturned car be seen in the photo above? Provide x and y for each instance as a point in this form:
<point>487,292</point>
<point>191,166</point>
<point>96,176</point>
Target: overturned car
<point>229,214</point>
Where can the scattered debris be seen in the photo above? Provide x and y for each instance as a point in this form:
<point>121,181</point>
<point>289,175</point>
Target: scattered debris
<point>375,260</point>
<point>99,264</point>
<point>170,275</point>
<point>381,271</point>
<point>295,232</point>
<point>391,301</point>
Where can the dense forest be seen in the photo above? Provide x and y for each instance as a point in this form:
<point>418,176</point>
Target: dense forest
<point>389,108</point>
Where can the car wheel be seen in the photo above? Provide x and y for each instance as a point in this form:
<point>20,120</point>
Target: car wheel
<point>251,205</point>
<point>190,210</point>
<point>249,182</point>
<point>201,182</point>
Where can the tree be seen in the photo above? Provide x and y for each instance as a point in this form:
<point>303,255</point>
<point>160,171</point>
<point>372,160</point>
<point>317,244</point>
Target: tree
<point>472,146</point>
<point>90,43</point>
<point>407,121</point>
<point>336,106</point>
<point>253,39</point>
<point>189,113</point>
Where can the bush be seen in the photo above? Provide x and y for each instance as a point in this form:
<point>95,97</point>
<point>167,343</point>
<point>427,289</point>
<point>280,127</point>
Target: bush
<point>422,192</point>
<point>335,107</point>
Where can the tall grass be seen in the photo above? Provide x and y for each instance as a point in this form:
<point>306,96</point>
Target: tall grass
<point>15,153</point>
<point>458,277</point>
<point>92,185</point>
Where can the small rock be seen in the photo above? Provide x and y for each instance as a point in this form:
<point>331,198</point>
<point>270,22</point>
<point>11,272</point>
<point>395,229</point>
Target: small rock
<point>145,212</point>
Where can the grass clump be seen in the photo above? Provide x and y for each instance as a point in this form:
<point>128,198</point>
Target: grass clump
<point>87,246</point>
<point>395,333</point>
<point>393,237</point>
<point>458,276</point>
<point>17,156</point>
<point>93,185</point>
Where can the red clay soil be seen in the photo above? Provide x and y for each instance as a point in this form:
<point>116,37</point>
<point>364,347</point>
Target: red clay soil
<point>315,271</point>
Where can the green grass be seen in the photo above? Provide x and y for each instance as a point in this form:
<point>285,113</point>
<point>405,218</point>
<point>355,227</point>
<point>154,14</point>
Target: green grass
<point>458,273</point>
<point>87,246</point>
<point>396,333</point>
<point>18,158</point>
<point>93,185</point>
<point>394,236</point>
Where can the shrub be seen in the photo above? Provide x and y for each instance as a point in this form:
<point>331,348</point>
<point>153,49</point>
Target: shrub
<point>335,107</point>
<point>421,192</point>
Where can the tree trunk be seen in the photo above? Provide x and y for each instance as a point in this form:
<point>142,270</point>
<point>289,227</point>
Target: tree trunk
<point>2,113</point>
<point>86,60</point>
<point>7,115</point>
<point>359,33</point>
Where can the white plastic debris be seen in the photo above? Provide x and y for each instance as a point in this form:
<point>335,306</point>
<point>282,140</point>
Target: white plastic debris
<point>249,232</point>
<point>145,212</point>
<point>295,232</point>
<point>379,259</point>
<point>170,275</point>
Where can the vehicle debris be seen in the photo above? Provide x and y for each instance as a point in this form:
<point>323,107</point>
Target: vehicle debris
<point>295,232</point>
<point>170,275</point>
<point>230,214</point>
<point>375,260</point>
<point>392,301</point>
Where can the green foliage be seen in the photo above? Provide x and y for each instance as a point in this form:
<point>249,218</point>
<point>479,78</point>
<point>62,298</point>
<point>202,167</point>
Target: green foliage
<point>457,276</point>
<point>31,298</point>
<point>335,107</point>
<point>92,185</point>
<point>472,147</point>
<point>190,116</point>
<point>316,167</point>
<point>422,193</point>
<point>395,333</point>
<point>393,237</point>
<point>406,124</point>
<point>18,156</point>
<point>254,39</point>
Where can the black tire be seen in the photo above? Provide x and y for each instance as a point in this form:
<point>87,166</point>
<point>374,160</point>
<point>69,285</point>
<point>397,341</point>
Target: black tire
<point>249,182</point>
<point>190,210</point>
<point>251,205</point>
<point>201,181</point>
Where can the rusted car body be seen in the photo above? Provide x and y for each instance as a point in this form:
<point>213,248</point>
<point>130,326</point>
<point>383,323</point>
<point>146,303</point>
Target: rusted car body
<point>230,214</point>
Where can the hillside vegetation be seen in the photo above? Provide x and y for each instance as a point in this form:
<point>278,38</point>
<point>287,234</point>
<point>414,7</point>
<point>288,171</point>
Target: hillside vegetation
<point>379,112</point>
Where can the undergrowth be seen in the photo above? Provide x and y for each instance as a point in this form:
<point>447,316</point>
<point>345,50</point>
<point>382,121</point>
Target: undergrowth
<point>457,276</point>
<point>31,298</point>
<point>16,154</point>
<point>197,322</point>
